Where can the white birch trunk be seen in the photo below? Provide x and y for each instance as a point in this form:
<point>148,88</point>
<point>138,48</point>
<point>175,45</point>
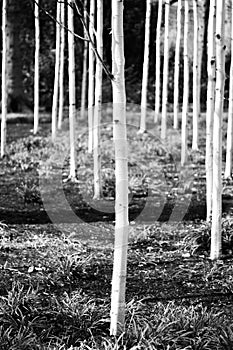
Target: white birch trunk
<point>228,168</point>
<point>158,61</point>
<point>165,72</point>
<point>4,77</point>
<point>185,87</point>
<point>91,77</point>
<point>98,103</point>
<point>210,108</point>
<point>177,65</point>
<point>145,68</point>
<point>56,76</point>
<point>216,237</point>
<point>84,75</point>
<point>121,172</point>
<point>72,108</point>
<point>201,31</point>
<point>62,62</point>
<point>36,73</point>
<point>195,77</point>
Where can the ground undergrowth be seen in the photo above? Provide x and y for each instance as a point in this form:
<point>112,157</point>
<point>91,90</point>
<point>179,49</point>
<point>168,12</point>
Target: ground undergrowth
<point>55,279</point>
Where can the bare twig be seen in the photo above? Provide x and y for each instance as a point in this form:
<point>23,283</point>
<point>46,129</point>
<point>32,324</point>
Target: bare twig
<point>56,21</point>
<point>106,70</point>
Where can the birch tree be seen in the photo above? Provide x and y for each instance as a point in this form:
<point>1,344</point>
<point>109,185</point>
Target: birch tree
<point>165,72</point>
<point>185,86</point>
<point>210,108</point>
<point>36,72</point>
<point>72,106</point>
<point>201,41</point>
<point>4,77</point>
<point>61,71</point>
<point>158,60</point>
<point>228,168</point>
<point>216,242</point>
<point>121,172</point>
<point>91,76</point>
<point>84,75</point>
<point>98,102</point>
<point>145,68</point>
<point>177,64</point>
<point>56,76</point>
<point>195,77</point>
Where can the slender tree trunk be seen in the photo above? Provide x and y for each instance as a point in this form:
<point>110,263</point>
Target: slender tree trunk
<point>195,77</point>
<point>84,76</point>
<point>4,77</point>
<point>121,172</point>
<point>165,72</point>
<point>177,65</point>
<point>91,78</point>
<point>210,108</point>
<point>62,62</point>
<point>56,77</point>
<point>201,46</point>
<point>216,239</point>
<point>185,87</point>
<point>145,68</point>
<point>98,103</point>
<point>228,168</point>
<point>36,74</point>
<point>72,105</point>
<point>158,61</point>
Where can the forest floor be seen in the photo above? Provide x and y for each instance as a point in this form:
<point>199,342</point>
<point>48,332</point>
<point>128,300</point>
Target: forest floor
<point>57,244</point>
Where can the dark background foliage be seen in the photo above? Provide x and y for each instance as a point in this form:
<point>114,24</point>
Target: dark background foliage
<point>134,21</point>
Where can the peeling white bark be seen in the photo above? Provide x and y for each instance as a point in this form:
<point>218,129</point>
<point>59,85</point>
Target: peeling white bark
<point>216,234</point>
<point>210,108</point>
<point>121,172</point>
